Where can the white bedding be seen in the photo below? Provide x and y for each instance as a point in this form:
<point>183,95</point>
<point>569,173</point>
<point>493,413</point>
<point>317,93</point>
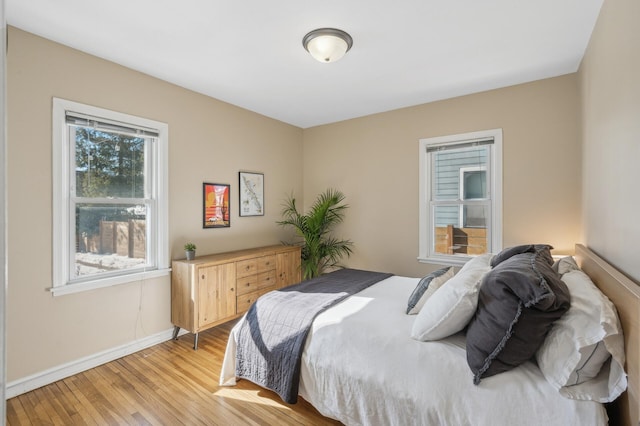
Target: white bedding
<point>361,367</point>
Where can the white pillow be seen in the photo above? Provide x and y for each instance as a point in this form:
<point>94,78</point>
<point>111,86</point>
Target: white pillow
<point>452,306</point>
<point>583,354</point>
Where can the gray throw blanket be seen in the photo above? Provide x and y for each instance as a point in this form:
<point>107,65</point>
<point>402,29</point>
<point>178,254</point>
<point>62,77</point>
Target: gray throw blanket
<point>271,340</point>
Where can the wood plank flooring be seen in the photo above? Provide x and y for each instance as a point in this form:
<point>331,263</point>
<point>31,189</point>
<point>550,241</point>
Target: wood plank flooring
<point>167,384</point>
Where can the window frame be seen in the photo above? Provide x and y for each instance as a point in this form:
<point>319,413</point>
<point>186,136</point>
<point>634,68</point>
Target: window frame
<point>63,178</point>
<point>426,252</point>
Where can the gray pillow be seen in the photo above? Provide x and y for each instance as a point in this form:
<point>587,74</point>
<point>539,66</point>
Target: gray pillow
<point>565,265</point>
<point>543,250</point>
<point>415,300</point>
<point>519,300</point>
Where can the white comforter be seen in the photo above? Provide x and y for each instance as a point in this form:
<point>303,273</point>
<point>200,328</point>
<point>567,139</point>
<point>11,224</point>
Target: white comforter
<point>361,367</point>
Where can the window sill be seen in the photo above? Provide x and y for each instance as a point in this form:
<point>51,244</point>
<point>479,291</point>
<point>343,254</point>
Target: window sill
<point>108,282</point>
<point>446,260</point>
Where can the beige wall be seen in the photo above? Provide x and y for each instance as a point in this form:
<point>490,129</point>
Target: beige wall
<point>374,161</point>
<point>610,88</point>
<point>209,141</point>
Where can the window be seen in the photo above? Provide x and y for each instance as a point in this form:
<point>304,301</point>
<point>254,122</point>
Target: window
<point>110,207</point>
<point>460,196</point>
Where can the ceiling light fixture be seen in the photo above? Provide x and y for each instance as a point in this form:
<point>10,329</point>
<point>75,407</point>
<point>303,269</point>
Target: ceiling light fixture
<point>327,44</point>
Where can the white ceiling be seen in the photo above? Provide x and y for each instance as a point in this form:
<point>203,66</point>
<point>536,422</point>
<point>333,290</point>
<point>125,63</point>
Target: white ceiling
<point>249,52</point>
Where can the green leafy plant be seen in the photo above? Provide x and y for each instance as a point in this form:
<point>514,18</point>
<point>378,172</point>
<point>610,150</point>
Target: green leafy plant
<point>320,250</point>
<point>189,247</point>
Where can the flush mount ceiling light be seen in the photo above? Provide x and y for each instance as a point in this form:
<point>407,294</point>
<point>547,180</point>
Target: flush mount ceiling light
<point>327,44</point>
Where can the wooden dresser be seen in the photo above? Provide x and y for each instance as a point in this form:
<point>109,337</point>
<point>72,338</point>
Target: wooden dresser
<point>217,288</point>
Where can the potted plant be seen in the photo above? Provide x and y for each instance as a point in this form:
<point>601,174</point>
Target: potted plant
<point>190,251</point>
<point>320,250</point>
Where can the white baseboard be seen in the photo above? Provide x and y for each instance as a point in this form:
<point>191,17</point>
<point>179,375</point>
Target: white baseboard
<point>35,381</point>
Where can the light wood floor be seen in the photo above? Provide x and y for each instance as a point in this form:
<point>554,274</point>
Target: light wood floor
<point>167,384</point>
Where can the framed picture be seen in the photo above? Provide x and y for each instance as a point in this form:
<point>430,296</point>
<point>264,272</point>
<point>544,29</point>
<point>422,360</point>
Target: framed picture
<point>251,194</point>
<point>215,205</point>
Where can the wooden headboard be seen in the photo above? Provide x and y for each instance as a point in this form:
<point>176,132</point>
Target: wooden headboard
<point>625,294</point>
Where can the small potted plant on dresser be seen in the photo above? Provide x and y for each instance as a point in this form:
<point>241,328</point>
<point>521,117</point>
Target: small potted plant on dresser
<point>190,251</point>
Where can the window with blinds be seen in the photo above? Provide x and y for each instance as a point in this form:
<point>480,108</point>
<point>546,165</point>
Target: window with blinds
<point>460,196</point>
<point>111,209</point>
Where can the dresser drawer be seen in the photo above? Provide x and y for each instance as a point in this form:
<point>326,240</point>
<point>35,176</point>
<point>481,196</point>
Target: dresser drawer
<point>246,267</point>
<point>265,290</point>
<point>244,301</point>
<point>246,285</point>
<point>266,263</point>
<point>267,279</point>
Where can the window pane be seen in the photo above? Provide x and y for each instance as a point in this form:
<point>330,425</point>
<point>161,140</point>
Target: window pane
<point>475,216</point>
<point>450,238</point>
<point>109,238</point>
<point>447,215</point>
<point>475,184</point>
<point>108,164</point>
<point>446,166</point>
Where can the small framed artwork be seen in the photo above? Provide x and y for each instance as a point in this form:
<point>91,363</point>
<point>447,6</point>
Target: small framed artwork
<point>215,205</point>
<point>251,194</point>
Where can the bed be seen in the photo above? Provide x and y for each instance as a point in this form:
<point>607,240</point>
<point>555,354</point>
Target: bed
<point>625,295</point>
<point>360,366</point>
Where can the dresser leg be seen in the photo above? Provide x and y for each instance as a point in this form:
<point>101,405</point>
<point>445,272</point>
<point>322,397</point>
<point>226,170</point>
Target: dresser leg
<point>195,341</point>
<point>176,330</point>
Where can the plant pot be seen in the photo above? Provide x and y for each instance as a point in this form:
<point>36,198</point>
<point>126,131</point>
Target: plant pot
<point>191,254</point>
